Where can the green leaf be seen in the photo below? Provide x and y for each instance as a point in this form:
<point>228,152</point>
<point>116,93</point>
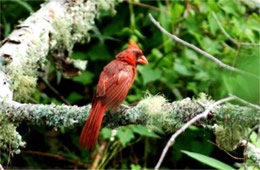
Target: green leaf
<point>255,140</point>
<point>193,87</point>
<point>135,167</point>
<point>213,26</point>
<point>125,135</point>
<point>191,23</point>
<point>249,167</point>
<point>211,46</point>
<point>85,78</point>
<point>166,22</point>
<point>106,133</point>
<point>157,53</point>
<point>74,97</point>
<point>24,4</point>
<point>78,55</point>
<point>244,86</point>
<point>253,22</point>
<point>202,76</point>
<point>7,26</point>
<point>181,69</point>
<point>177,11</point>
<point>191,54</point>
<point>149,74</point>
<point>214,163</point>
<point>99,52</point>
<point>250,35</point>
<point>139,34</point>
<point>212,4</point>
<point>229,6</point>
<point>144,131</point>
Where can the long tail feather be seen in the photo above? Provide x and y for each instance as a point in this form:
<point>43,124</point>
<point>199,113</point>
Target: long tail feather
<point>91,128</point>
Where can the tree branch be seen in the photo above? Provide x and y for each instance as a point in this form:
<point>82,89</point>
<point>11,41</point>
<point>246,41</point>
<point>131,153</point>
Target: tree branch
<point>152,111</point>
<point>257,107</point>
<point>186,125</point>
<point>200,51</point>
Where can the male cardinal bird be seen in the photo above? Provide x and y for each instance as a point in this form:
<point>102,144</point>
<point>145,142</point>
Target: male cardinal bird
<point>113,85</point>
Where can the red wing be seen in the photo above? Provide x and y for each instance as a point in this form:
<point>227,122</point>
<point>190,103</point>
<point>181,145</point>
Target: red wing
<point>114,83</point>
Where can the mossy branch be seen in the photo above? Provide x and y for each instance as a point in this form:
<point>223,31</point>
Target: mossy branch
<point>229,122</point>
<point>152,111</point>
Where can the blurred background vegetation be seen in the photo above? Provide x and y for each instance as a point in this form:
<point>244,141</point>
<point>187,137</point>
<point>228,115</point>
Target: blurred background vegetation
<point>175,71</point>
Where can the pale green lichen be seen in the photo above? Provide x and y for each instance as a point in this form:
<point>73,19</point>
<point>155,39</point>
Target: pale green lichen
<point>10,139</point>
<point>232,124</point>
<point>50,115</point>
<point>105,5</point>
<point>156,113</point>
<point>79,19</point>
<point>23,86</point>
<point>23,82</point>
<point>228,136</point>
<point>80,64</point>
<point>151,108</point>
<point>229,122</point>
<point>23,70</point>
<point>73,27</point>
<point>61,35</point>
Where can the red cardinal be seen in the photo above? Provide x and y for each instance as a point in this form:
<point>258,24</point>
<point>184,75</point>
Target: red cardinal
<point>113,85</point>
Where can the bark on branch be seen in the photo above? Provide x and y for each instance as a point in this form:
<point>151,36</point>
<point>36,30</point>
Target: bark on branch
<point>229,122</point>
<point>153,111</point>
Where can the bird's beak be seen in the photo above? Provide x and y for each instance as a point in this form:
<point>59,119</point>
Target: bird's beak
<point>142,60</point>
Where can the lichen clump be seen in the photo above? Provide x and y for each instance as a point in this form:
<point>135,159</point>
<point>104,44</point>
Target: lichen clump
<point>156,113</point>
<point>73,27</point>
<point>228,137</point>
<point>153,113</point>
<point>151,110</point>
<point>233,122</point>
<point>23,74</point>
<point>78,20</point>
<point>10,139</point>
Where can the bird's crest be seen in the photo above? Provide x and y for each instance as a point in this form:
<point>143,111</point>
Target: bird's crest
<point>132,44</point>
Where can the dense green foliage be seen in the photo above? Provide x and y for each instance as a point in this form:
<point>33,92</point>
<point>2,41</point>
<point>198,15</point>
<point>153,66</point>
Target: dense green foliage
<point>174,71</point>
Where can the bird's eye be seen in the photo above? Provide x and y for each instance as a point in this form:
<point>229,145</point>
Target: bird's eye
<point>138,54</point>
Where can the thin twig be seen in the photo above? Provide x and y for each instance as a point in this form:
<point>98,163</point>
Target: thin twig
<point>161,58</point>
<point>200,51</point>
<point>98,156</point>
<point>186,125</point>
<point>59,157</point>
<point>55,91</point>
<point>229,154</point>
<point>148,6</point>
<point>236,55</point>
<point>246,102</point>
<point>228,36</point>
